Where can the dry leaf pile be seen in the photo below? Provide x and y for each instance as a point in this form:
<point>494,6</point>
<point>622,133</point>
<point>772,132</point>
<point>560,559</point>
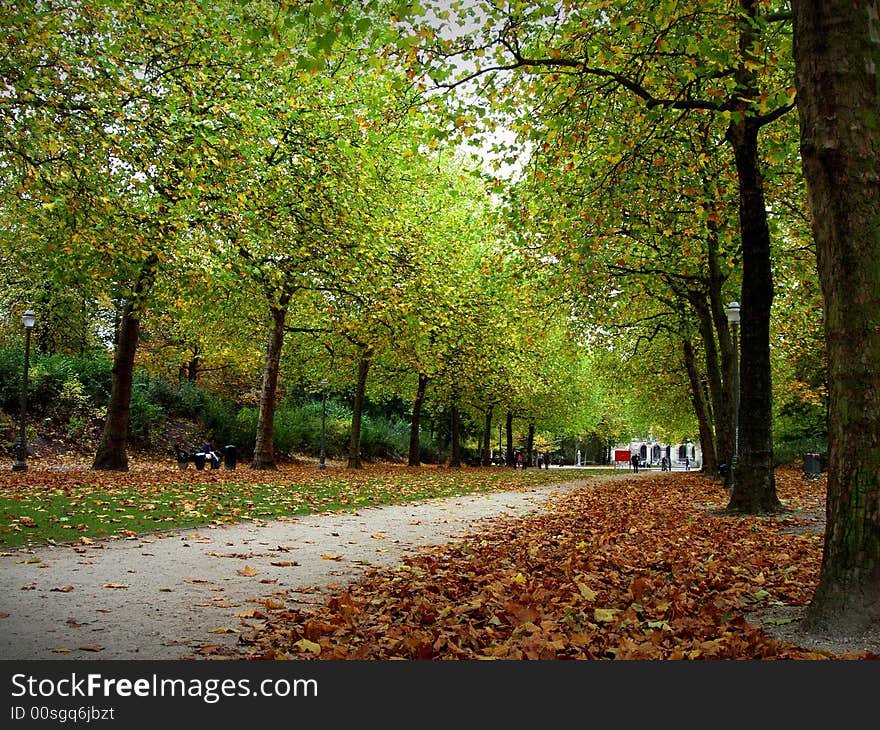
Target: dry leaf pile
<point>648,569</point>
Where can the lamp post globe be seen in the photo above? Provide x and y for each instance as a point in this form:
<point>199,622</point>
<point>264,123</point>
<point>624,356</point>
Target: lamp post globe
<point>28,320</point>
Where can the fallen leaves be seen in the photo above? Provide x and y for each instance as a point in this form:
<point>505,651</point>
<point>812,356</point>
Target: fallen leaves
<point>646,569</point>
<point>53,505</point>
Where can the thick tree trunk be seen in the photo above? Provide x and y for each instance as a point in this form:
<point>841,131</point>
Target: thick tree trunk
<point>111,453</point>
<point>754,482</point>
<point>264,448</point>
<point>455,446</point>
<point>486,459</point>
<point>837,57</point>
<point>415,442</point>
<point>357,410</point>
<point>707,441</point>
<point>509,455</point>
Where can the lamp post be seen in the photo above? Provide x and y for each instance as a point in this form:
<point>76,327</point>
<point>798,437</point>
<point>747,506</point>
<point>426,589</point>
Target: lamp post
<point>440,437</point>
<point>322,464</point>
<point>732,311</point>
<point>20,464</point>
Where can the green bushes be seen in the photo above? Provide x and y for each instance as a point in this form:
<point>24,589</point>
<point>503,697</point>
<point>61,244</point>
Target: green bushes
<point>298,430</point>
<point>70,394</point>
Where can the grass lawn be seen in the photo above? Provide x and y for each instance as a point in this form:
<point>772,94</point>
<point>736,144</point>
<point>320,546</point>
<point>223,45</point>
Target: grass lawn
<point>46,505</point>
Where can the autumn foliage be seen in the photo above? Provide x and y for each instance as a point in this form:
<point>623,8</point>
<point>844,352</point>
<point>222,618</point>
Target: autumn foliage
<point>637,569</point>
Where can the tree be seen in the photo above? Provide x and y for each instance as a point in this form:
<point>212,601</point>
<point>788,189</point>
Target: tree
<point>837,56</point>
<point>721,62</point>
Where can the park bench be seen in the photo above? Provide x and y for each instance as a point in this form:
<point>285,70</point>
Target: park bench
<point>185,457</point>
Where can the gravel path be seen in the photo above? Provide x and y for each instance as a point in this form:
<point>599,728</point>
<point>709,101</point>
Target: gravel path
<point>155,597</point>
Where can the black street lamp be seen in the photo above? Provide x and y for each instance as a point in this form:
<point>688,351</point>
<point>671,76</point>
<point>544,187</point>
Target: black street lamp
<point>440,437</point>
<point>20,464</point>
<point>732,312</point>
<point>322,464</point>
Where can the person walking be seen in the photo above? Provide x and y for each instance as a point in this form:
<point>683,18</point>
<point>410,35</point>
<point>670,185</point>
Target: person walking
<point>634,462</point>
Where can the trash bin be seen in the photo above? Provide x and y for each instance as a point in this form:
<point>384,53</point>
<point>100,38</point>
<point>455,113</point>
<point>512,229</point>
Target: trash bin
<point>229,457</point>
<point>199,459</point>
<point>812,466</point>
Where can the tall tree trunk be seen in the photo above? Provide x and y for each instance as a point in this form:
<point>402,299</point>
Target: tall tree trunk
<point>415,442</point>
<point>530,447</point>
<point>455,456</point>
<point>487,437</point>
<point>754,487</point>
<point>720,387</point>
<point>111,453</point>
<point>837,58</point>
<point>707,441</point>
<point>264,448</point>
<point>354,446</point>
<point>509,455</point>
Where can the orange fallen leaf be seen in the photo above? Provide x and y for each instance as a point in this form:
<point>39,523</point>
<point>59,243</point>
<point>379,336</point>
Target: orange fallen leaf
<point>115,585</point>
<point>63,589</point>
<point>248,571</point>
<point>331,557</point>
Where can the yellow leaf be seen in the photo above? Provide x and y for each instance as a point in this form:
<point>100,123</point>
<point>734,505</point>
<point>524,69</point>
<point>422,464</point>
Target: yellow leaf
<point>222,630</point>
<point>586,591</point>
<point>248,571</point>
<point>331,557</point>
<point>305,645</point>
<point>605,615</point>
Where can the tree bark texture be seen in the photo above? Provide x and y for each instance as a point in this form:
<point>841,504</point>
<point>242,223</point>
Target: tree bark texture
<point>754,487</point>
<point>701,410</point>
<point>530,447</point>
<point>111,452</point>
<point>837,59</point>
<point>357,410</point>
<point>415,442</point>
<point>486,459</point>
<point>264,448</point>
<point>455,446</point>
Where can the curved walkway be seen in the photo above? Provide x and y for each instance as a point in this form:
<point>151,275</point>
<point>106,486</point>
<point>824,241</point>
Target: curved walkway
<point>153,597</point>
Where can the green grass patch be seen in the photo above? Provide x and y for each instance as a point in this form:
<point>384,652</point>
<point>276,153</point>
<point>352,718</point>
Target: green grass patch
<point>36,513</point>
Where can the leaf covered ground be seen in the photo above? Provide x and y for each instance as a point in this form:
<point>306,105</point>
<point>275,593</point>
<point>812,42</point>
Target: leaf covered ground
<point>75,503</point>
<point>638,569</point>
